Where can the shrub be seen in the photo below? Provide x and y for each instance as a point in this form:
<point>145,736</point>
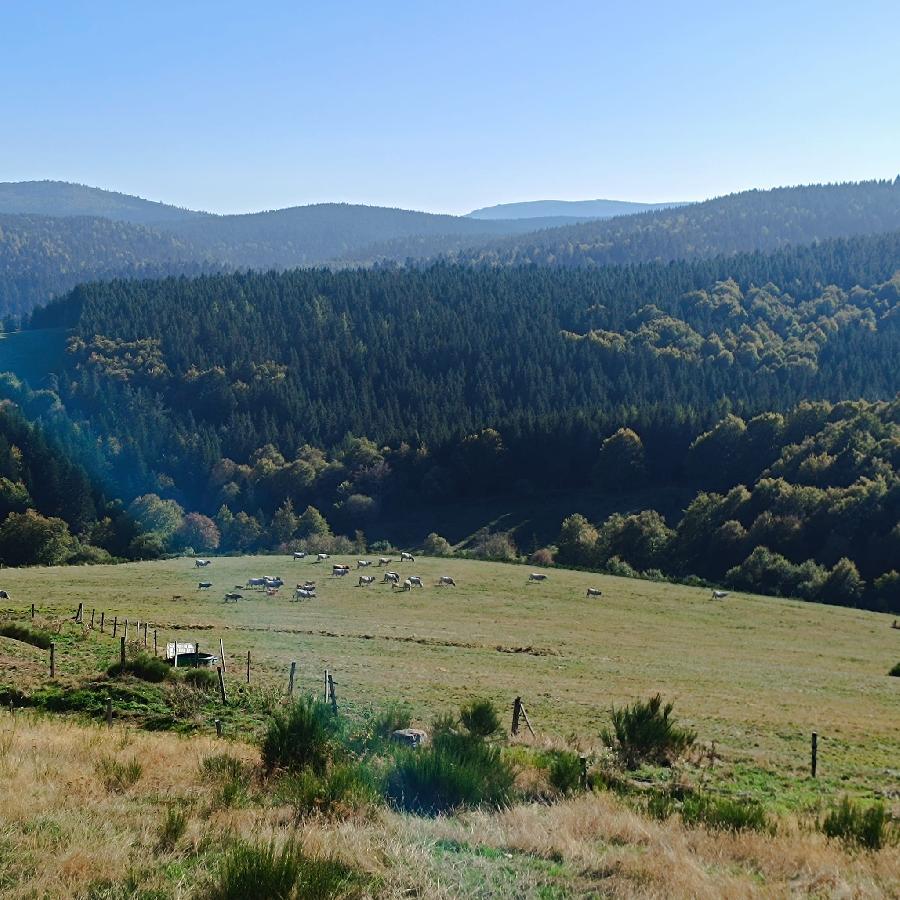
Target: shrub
<point>251,871</point>
<point>201,679</point>
<point>645,732</point>
<point>543,556</point>
<point>457,770</point>
<point>895,671</point>
<point>118,777</point>
<point>565,771</point>
<point>345,788</point>
<point>435,545</point>
<point>852,823</point>
<point>724,813</point>
<point>390,719</point>
<point>171,829</point>
<point>26,634</point>
<point>300,738</point>
<point>500,546</point>
<point>480,718</point>
<point>143,666</point>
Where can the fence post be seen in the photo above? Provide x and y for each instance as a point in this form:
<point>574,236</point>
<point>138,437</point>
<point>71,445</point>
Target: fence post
<point>92,618</point>
<point>196,654</point>
<point>517,712</point>
<point>326,685</point>
<point>222,655</point>
<point>79,616</point>
<point>126,630</point>
<point>222,685</point>
<point>52,659</point>
<point>584,772</point>
<point>155,648</point>
<point>115,625</point>
<point>291,678</point>
<point>218,728</point>
<point>248,667</point>
<point>332,694</point>
<point>109,712</point>
<point>32,610</point>
<point>102,621</point>
<point>122,654</point>
<point>814,753</point>
<point>145,634</point>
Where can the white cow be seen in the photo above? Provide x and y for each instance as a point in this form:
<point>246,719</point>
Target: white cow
<point>594,592</point>
<point>363,563</point>
<point>384,561</point>
<point>201,563</point>
<point>407,557</point>
<point>305,594</point>
<point>393,577</point>
<point>446,580</point>
<point>321,556</point>
<point>256,582</point>
<point>537,576</point>
<point>273,581</point>
<point>340,570</point>
<point>416,580</point>
<point>719,595</point>
<point>406,586</point>
<point>366,579</point>
<point>299,554</point>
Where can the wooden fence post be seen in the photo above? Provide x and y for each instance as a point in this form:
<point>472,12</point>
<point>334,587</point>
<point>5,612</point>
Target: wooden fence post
<point>155,647</point>
<point>122,654</point>
<point>332,694</point>
<point>126,631</point>
<point>115,625</point>
<point>326,686</point>
<point>222,685</point>
<point>517,712</point>
<point>222,655</point>
<point>145,634</point>
<point>32,610</point>
<point>814,753</point>
<point>291,678</point>
<point>92,618</point>
<point>102,621</point>
<point>52,659</point>
<point>196,654</point>
<point>79,616</point>
<point>109,712</point>
<point>584,772</point>
<point>248,667</point>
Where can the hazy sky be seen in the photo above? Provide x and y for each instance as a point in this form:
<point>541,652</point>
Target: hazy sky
<point>446,106</point>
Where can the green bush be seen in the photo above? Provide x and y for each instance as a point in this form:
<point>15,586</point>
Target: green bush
<point>345,788</point>
<point>118,777</point>
<point>456,771</point>
<point>863,826</point>
<point>645,732</point>
<point>895,670</point>
<point>300,738</point>
<point>660,805</point>
<point>26,634</point>
<point>390,719</point>
<point>480,718</point>
<point>171,829</point>
<point>201,679</point>
<point>262,872</point>
<point>565,771</point>
<point>143,666</point>
<point>724,813</point>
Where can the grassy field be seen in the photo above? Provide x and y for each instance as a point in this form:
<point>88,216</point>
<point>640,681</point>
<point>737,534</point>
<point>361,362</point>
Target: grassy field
<point>755,675</point>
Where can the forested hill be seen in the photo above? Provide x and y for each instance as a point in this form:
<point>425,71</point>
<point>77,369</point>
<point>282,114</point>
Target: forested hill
<point>752,220</point>
<point>575,209</point>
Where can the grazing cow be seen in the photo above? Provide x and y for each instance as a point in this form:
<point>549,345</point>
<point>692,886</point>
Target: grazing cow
<point>201,563</point>
<point>719,595</point>
<point>446,580</point>
<point>273,581</point>
<point>4,595</point>
<point>256,582</point>
<point>233,597</point>
<point>203,585</point>
<point>321,557</point>
<point>393,577</point>
<point>340,570</point>
<point>407,557</point>
<point>363,563</point>
<point>384,561</point>
<point>307,585</point>
<point>537,576</point>
<point>406,586</point>
<point>299,554</point>
<point>594,592</point>
<point>366,579</point>
<point>416,580</point>
<point>305,594</point>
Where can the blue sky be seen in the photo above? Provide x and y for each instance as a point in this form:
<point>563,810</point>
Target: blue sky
<point>446,106</point>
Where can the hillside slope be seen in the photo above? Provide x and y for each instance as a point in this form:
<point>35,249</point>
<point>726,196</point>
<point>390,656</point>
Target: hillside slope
<point>583,209</point>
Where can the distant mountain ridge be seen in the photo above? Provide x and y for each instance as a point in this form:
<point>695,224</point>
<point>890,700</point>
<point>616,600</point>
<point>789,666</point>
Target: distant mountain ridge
<point>574,209</point>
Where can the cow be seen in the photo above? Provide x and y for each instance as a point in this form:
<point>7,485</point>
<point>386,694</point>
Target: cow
<point>406,586</point>
<point>203,585</point>
<point>321,557</point>
<point>719,595</point>
<point>594,592</point>
<point>392,577</point>
<point>384,561</point>
<point>299,554</point>
<point>4,595</point>
<point>363,563</point>
<point>537,576</point>
<point>307,585</point>
<point>305,594</point>
<point>416,581</point>
<point>366,579</point>
<point>407,557</point>
<point>231,596</point>
<point>340,570</point>
<point>256,582</point>
<point>273,581</point>
<point>201,563</point>
<point>446,580</point>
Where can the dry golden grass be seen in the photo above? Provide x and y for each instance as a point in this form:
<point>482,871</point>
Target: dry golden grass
<point>62,832</point>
